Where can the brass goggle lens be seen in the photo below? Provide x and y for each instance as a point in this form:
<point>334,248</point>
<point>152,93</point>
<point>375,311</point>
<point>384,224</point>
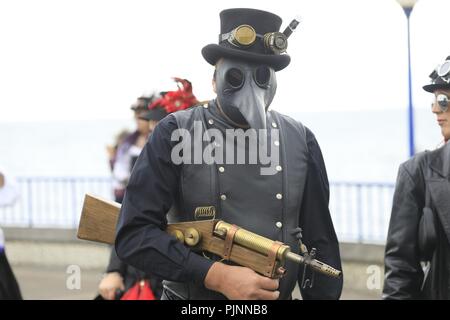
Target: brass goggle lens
<point>243,35</point>
<point>276,42</point>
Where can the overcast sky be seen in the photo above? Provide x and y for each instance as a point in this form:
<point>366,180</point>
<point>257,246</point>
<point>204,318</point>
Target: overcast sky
<point>90,59</point>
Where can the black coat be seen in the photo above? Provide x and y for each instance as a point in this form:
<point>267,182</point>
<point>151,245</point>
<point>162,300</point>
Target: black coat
<point>9,288</point>
<point>155,184</point>
<point>404,276</point>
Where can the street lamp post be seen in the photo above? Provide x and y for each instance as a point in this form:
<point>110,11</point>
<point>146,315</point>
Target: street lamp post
<point>408,6</point>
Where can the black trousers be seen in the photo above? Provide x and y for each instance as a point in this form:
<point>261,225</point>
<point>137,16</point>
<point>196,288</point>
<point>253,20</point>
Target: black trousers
<point>9,288</point>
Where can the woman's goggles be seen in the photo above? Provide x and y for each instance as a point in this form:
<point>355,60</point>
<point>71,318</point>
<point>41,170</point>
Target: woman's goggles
<point>442,101</point>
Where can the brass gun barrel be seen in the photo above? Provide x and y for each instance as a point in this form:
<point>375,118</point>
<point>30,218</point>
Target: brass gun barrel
<point>251,240</point>
<point>263,245</point>
<point>315,264</point>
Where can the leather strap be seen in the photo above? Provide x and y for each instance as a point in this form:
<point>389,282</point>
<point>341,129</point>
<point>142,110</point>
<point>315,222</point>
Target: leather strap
<point>272,259</point>
<point>229,241</point>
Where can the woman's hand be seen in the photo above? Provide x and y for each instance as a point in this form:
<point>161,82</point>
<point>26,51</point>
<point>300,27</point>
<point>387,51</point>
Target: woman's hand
<point>112,282</point>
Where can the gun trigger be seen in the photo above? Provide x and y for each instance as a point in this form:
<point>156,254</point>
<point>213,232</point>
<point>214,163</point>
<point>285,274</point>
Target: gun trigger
<point>304,280</point>
<point>312,278</point>
<point>312,254</point>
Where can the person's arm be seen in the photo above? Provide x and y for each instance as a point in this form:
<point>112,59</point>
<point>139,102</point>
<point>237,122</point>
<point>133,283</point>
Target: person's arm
<point>115,264</point>
<point>403,273</point>
<point>317,225</point>
<point>114,277</point>
<point>2,180</point>
<point>121,166</point>
<point>141,241</point>
<point>9,189</point>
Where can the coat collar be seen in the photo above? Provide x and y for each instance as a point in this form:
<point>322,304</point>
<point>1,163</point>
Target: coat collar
<point>440,161</point>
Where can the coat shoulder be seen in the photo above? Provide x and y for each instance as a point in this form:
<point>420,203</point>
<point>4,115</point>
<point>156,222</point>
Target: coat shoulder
<point>442,152</point>
<point>415,166</point>
<point>286,119</point>
<point>293,123</point>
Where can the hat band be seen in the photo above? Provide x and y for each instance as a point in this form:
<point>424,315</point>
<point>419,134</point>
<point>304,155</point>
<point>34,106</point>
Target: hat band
<point>245,36</point>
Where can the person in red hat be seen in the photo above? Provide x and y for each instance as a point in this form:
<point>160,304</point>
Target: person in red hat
<point>168,102</point>
<point>417,257</point>
<point>123,281</point>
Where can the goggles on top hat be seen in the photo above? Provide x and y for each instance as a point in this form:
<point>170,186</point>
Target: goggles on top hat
<point>245,35</point>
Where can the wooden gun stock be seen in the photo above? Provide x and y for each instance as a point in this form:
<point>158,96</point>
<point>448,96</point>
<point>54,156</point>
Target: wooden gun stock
<point>98,219</point>
<point>267,257</point>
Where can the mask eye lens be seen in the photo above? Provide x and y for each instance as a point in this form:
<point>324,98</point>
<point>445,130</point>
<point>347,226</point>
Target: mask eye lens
<point>234,77</point>
<point>262,76</point>
<point>442,101</point>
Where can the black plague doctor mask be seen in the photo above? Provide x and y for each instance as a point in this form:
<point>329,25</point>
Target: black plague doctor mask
<point>244,92</point>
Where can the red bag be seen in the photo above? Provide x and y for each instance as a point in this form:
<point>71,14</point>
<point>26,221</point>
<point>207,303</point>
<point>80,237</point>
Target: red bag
<point>140,291</point>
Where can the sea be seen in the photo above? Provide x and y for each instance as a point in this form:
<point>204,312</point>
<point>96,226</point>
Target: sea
<point>364,146</point>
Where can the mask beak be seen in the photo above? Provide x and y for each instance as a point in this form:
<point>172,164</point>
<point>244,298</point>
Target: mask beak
<point>253,109</point>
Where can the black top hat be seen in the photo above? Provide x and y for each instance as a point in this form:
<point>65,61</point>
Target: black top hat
<point>157,113</point>
<point>262,22</point>
<point>440,77</point>
<point>141,103</point>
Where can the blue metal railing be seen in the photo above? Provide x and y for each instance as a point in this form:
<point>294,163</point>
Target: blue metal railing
<point>52,201</point>
<point>360,210</point>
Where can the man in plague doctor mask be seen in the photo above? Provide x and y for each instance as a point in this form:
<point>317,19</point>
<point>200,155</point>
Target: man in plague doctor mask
<point>272,182</point>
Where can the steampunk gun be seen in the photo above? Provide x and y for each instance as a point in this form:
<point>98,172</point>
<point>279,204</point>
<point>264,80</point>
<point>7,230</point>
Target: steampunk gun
<point>267,257</point>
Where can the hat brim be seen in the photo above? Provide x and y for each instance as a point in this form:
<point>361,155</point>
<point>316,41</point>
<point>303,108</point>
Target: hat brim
<point>433,87</point>
<point>136,108</point>
<point>156,114</point>
<point>213,52</point>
